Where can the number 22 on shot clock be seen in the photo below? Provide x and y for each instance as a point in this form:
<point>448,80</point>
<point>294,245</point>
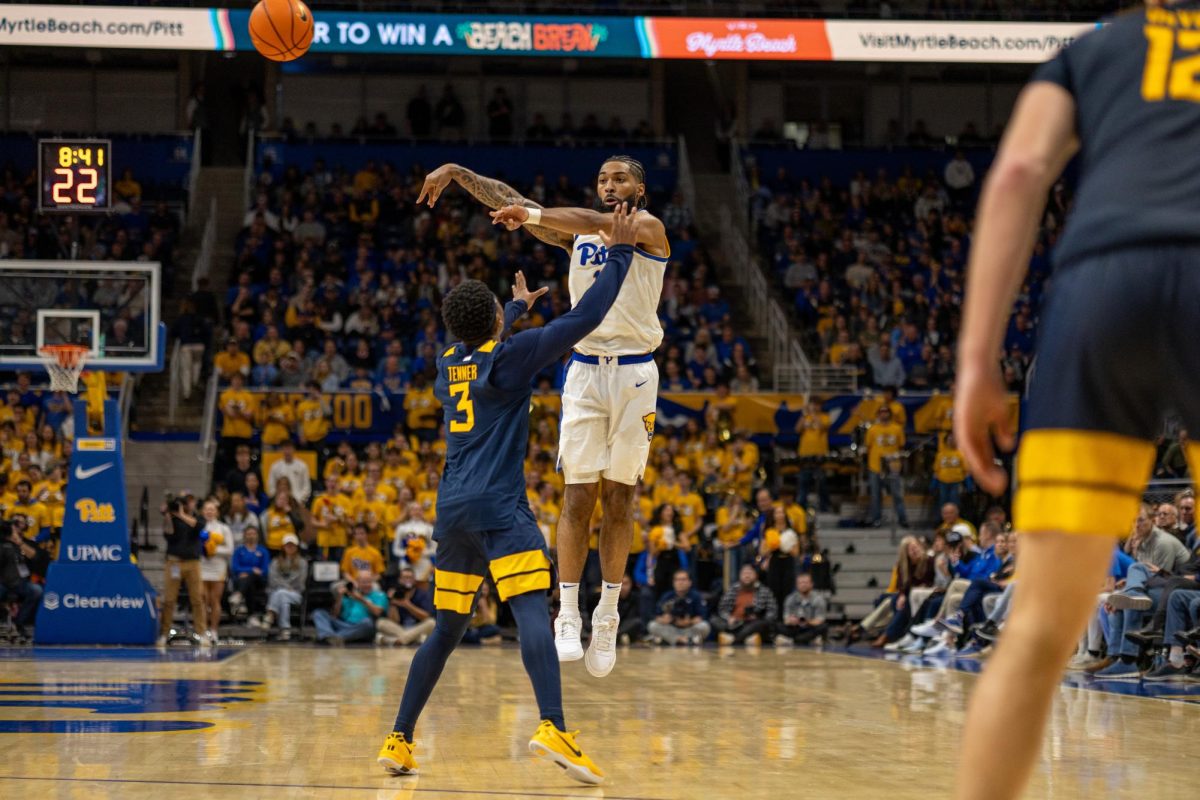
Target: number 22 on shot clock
<point>74,174</point>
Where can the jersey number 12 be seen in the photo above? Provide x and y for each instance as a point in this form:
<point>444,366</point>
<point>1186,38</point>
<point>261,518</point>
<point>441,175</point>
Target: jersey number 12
<point>465,405</point>
<point>1163,78</point>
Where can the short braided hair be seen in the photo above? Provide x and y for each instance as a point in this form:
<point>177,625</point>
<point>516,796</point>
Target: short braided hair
<point>469,312</point>
<point>639,174</point>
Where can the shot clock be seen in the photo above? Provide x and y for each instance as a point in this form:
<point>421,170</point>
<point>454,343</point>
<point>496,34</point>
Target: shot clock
<point>74,174</point>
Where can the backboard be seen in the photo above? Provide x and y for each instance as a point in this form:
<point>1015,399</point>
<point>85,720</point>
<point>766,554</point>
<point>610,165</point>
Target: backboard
<point>111,307</point>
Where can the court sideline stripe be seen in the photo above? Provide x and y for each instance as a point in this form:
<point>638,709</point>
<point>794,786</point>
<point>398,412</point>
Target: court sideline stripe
<point>331,787</point>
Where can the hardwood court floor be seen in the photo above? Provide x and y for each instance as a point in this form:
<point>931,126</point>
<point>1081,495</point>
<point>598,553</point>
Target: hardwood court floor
<point>306,722</point>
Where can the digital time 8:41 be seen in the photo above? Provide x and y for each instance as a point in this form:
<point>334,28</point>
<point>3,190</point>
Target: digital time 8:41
<point>89,176</point>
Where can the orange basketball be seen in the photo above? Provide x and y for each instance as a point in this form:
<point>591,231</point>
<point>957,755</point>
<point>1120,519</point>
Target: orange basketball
<point>281,30</point>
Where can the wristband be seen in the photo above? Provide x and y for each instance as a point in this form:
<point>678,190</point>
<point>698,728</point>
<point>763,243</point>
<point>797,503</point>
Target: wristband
<point>535,216</point>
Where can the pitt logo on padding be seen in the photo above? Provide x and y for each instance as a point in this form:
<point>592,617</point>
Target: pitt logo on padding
<point>592,254</point>
<point>91,511</point>
<point>648,421</point>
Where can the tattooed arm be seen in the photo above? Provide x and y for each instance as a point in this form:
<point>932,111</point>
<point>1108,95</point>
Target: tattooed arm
<point>493,194</point>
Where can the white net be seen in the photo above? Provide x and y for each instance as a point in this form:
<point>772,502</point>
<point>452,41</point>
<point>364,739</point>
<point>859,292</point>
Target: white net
<point>64,363</point>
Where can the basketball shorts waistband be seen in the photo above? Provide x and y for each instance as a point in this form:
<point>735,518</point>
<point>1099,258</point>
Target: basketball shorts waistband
<point>621,360</point>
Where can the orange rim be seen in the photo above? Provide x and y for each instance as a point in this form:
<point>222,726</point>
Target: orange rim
<point>67,355</point>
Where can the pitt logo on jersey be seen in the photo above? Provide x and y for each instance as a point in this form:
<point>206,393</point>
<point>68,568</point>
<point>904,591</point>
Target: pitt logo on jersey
<point>595,255</point>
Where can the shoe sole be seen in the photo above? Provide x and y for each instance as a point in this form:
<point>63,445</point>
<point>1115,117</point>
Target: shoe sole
<point>573,770</point>
<point>1167,678</point>
<point>1125,676</point>
<point>1124,602</point>
<point>597,672</point>
<point>394,768</point>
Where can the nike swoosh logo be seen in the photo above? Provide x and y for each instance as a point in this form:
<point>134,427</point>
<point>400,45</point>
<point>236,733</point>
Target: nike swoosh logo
<point>83,474</point>
<point>640,385</point>
<point>577,753</point>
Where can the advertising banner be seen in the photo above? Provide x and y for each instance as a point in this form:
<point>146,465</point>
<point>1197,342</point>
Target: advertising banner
<point>463,34</point>
<point>563,36</point>
<point>125,27</point>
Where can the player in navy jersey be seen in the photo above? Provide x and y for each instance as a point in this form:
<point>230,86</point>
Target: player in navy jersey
<point>484,523</point>
<point>1116,350</point>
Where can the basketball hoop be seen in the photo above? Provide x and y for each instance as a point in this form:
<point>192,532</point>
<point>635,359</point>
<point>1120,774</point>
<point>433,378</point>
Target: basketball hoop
<point>64,362</point>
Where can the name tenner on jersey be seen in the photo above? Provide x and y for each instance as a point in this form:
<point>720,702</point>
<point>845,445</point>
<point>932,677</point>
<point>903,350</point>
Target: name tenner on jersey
<point>631,326</point>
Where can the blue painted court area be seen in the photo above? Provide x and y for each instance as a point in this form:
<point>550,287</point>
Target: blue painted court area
<point>1184,692</point>
<point>185,655</point>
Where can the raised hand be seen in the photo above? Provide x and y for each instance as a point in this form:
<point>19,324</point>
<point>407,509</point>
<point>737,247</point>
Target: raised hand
<point>624,226</point>
<point>521,291</point>
<point>436,183</point>
<point>511,217</point>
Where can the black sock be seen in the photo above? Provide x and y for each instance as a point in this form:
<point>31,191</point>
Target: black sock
<point>1094,653</point>
<point>1128,659</point>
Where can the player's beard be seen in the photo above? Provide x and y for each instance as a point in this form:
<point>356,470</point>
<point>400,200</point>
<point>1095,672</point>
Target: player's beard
<point>604,208</point>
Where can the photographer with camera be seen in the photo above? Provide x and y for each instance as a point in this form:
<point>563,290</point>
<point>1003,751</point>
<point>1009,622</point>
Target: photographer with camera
<point>15,556</point>
<point>680,614</point>
<point>356,607</point>
<point>410,614</point>
<point>747,611</point>
<point>803,614</point>
<point>184,546</point>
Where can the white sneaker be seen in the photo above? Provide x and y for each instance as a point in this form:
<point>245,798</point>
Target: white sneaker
<point>601,654</point>
<point>927,630</point>
<point>566,638</point>
<point>784,641</point>
<point>939,647</point>
<point>161,642</point>
<point>899,645</point>
<point>915,647</point>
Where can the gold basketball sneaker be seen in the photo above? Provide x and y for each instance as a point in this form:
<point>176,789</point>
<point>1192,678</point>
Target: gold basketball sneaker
<point>561,748</point>
<point>396,755</point>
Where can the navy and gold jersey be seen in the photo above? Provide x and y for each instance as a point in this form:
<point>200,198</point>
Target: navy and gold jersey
<point>485,394</point>
<point>1136,86</point>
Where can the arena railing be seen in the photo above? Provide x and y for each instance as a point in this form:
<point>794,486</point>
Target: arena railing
<point>208,430</point>
<point>686,180</point>
<point>194,177</point>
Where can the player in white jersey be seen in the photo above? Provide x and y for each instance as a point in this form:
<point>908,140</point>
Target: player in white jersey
<point>611,387</point>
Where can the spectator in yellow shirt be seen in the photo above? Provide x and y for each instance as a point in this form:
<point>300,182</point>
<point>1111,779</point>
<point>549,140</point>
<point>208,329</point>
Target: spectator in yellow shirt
<point>231,361</point>
<point>284,516</point>
<point>330,521</point>
<point>421,409</point>
<point>733,520</point>
<point>35,514</point>
<point>813,428</point>
<point>949,472</point>
<point>313,415</point>
<point>127,188</point>
<point>361,555</point>
<point>884,441</point>
<point>689,509</point>
<point>267,352</point>
<point>741,462</point>
<point>238,407</point>
<point>278,420</point>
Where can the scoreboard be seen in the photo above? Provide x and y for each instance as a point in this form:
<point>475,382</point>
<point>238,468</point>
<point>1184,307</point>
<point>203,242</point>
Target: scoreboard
<point>74,175</point>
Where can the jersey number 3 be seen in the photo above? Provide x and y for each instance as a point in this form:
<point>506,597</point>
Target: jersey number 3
<point>1163,78</point>
<point>465,405</point>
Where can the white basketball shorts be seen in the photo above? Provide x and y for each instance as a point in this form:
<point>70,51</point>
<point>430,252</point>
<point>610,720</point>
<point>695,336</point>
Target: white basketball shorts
<point>608,407</point>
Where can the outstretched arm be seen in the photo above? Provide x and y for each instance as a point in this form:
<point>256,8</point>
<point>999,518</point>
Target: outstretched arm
<point>651,233</point>
<point>489,191</point>
<point>529,352</point>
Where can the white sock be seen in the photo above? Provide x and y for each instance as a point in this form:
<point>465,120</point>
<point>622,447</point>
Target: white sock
<point>1176,657</point>
<point>568,599</point>
<point>608,600</point>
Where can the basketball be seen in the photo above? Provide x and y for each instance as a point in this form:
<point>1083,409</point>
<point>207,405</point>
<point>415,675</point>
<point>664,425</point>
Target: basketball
<point>281,30</point>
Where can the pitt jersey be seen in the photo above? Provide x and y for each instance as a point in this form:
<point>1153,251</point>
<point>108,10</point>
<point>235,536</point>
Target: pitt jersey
<point>485,394</point>
<point>632,326</point>
<point>1137,98</point>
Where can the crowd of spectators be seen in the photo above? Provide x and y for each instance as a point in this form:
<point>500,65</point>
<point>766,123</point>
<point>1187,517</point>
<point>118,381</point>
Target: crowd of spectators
<point>876,268</point>
<point>445,118</point>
